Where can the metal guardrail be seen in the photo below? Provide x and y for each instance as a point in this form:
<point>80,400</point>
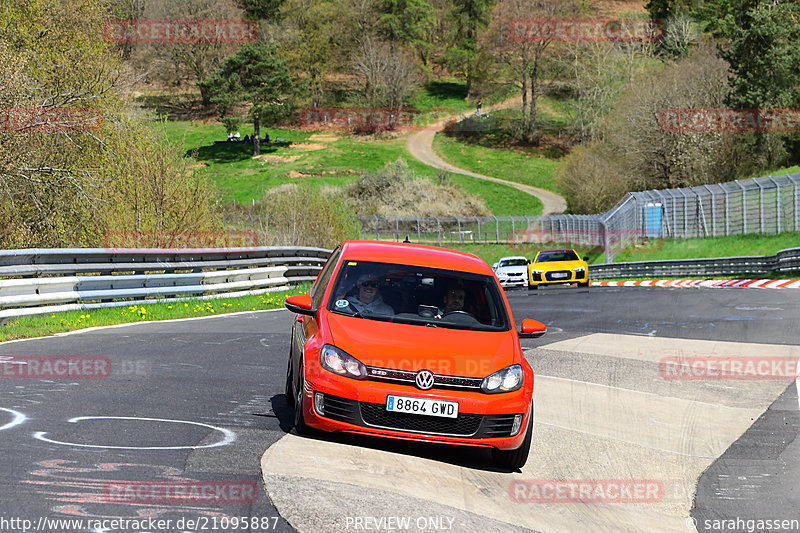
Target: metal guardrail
<point>54,280</point>
<point>784,261</point>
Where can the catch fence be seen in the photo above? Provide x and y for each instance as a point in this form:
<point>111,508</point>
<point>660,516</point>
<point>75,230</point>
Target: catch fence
<point>766,205</point>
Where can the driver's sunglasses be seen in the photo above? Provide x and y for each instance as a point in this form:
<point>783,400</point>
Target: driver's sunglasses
<point>373,284</point>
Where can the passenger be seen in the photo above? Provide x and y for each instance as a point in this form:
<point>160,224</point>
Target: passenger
<point>369,300</point>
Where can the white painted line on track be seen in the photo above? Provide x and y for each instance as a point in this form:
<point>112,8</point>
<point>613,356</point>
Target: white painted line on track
<point>229,436</point>
<point>18,418</point>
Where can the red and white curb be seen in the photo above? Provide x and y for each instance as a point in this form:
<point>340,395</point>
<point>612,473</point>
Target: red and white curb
<point>706,283</point>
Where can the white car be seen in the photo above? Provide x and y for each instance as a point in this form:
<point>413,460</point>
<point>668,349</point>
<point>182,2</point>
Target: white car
<point>512,271</point>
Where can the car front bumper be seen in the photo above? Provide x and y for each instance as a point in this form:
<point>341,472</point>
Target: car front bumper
<point>484,420</point>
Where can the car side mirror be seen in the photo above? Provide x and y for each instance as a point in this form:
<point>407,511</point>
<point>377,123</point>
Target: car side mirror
<point>494,266</point>
<point>301,304</point>
<point>531,329</point>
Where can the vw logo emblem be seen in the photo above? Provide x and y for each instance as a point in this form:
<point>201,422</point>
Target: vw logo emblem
<point>424,379</point>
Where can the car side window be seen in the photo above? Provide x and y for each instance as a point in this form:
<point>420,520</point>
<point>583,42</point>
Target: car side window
<point>318,289</point>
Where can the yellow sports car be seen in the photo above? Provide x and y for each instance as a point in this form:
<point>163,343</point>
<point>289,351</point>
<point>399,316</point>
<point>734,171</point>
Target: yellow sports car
<point>557,266</point>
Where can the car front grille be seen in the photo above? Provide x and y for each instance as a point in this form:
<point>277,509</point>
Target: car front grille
<point>375,415</point>
<point>553,276</point>
<point>408,377</point>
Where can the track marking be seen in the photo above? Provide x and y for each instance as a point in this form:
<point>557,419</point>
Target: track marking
<point>18,419</point>
<point>229,438</point>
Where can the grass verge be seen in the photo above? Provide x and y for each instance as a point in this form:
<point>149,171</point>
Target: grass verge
<point>43,325</point>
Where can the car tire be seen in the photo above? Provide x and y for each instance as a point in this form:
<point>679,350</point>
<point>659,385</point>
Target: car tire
<point>299,403</point>
<point>515,459</point>
<point>289,390</point>
<point>583,284</point>
<point>532,287</point>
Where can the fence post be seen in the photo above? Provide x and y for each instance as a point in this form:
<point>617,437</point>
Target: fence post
<point>760,206</point>
<point>513,231</point>
<point>744,207</point>
<point>796,211</point>
<point>727,213</point>
<point>460,238</point>
<point>497,230</point>
<point>377,233</point>
<point>479,228</point>
<point>713,211</point>
<point>438,230</point>
<point>396,229</point>
<point>777,202</point>
<point>419,232</point>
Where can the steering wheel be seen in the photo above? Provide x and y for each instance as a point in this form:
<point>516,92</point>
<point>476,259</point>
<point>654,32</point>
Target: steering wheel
<point>457,312</point>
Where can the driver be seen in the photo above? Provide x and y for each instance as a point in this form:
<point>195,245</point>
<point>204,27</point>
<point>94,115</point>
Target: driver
<point>453,301</point>
<point>369,300</point>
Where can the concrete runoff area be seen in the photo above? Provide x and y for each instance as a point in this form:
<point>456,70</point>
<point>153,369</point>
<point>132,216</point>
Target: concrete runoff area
<point>599,427</point>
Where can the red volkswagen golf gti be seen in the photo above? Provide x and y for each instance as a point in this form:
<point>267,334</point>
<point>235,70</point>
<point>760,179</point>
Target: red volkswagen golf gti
<point>412,342</point>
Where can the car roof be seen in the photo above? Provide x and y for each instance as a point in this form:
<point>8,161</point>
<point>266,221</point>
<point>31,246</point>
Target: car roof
<point>513,257</point>
<point>414,254</point>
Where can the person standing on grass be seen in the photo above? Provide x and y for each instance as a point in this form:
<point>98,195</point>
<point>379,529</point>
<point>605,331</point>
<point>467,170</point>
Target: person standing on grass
<point>479,107</point>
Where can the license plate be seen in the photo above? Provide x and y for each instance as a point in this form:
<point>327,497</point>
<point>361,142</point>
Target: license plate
<point>422,406</point>
<point>559,275</point>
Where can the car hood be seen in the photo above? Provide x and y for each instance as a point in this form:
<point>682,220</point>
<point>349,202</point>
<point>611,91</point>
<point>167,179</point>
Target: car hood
<point>444,351</point>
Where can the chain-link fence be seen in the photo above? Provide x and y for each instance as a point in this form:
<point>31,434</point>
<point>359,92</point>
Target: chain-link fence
<point>759,205</point>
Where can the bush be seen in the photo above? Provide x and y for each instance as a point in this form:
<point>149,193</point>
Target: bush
<point>395,190</point>
<point>302,216</point>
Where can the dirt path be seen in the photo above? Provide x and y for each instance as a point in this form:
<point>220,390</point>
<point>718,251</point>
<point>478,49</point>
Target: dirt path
<point>420,146</point>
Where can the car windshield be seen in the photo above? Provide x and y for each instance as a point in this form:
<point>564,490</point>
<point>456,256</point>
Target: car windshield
<point>560,255</point>
<point>513,262</point>
<point>419,295</point>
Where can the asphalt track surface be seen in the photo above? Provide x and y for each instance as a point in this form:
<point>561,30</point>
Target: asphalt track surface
<point>199,403</point>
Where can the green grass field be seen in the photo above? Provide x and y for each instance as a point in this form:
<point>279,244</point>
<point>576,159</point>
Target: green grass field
<point>316,158</point>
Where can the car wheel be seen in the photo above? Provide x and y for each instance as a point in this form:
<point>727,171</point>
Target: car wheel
<point>532,287</point>
<point>515,459</point>
<point>583,284</point>
<point>289,392</point>
<point>299,403</point>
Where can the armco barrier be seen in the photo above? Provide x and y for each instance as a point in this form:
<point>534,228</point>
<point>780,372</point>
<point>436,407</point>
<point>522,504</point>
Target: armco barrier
<point>67,279</point>
<point>783,262</point>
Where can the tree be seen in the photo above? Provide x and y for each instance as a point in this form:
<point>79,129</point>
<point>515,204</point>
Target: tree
<point>68,151</point>
<point>261,9</point>
<point>389,75</point>
<point>466,18</point>
<point>177,62</point>
<point>764,55</point>
<point>530,61</point>
<point>308,38</point>
<point>410,22</point>
<point>257,76</point>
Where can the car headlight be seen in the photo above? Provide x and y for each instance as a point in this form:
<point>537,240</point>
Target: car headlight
<point>506,380</point>
<point>579,271</point>
<point>341,363</point>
